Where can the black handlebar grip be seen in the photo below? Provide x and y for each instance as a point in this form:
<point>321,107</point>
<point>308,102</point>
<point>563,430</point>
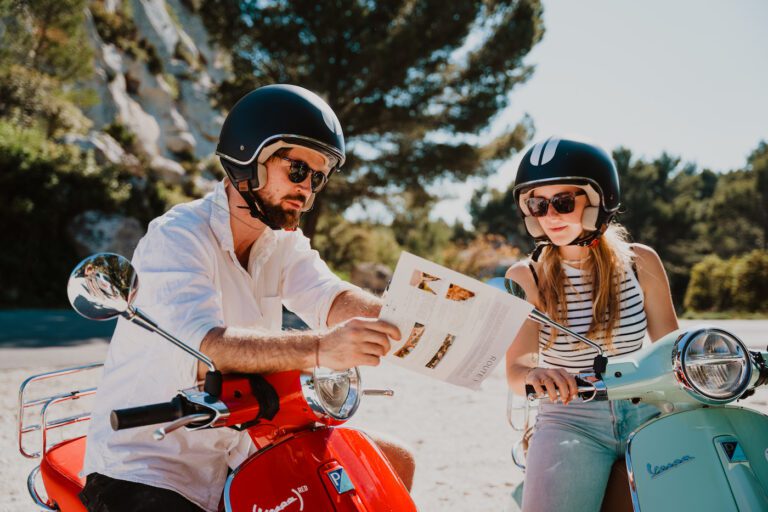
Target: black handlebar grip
<point>529,390</point>
<point>147,414</point>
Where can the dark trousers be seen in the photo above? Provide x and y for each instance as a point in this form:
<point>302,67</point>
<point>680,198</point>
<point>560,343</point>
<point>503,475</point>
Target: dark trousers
<point>104,494</point>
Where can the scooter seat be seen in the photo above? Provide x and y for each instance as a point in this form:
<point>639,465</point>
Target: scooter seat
<point>60,470</point>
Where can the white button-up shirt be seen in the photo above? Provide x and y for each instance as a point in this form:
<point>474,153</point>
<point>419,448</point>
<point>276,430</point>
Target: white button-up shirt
<point>190,281</point>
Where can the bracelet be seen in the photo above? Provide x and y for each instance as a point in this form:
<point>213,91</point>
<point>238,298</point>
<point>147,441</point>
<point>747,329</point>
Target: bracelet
<point>317,353</point>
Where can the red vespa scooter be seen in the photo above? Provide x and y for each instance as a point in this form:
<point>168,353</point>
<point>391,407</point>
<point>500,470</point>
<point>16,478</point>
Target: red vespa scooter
<point>303,461</point>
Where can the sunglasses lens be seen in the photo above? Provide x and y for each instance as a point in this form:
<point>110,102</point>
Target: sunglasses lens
<point>318,181</point>
<point>564,203</point>
<point>537,206</point>
<point>298,171</point>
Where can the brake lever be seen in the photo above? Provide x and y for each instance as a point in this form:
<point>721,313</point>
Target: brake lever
<point>378,392</point>
<point>160,433</point>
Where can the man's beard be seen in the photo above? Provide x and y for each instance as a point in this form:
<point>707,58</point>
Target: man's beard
<point>278,216</point>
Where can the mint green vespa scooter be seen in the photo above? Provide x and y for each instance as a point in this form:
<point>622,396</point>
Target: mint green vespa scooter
<point>700,453</point>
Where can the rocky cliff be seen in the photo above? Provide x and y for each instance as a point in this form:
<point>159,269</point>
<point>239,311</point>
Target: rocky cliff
<point>154,72</point>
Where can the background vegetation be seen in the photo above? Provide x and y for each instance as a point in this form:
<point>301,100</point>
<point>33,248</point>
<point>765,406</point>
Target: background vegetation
<point>416,87</point>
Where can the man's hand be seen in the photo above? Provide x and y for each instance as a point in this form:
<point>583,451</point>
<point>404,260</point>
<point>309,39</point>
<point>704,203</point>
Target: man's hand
<point>356,342</point>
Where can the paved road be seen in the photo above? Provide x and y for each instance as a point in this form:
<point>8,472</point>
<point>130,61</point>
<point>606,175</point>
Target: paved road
<point>60,337</point>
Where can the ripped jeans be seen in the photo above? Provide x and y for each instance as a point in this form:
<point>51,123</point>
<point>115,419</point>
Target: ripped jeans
<point>572,450</point>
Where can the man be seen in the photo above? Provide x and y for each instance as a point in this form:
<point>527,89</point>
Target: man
<point>215,273</point>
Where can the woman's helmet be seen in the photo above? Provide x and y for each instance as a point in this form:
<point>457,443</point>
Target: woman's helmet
<point>561,161</point>
<point>271,118</point>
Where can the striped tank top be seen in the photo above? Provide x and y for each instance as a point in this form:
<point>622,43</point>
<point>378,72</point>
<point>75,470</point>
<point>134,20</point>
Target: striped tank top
<point>628,335</point>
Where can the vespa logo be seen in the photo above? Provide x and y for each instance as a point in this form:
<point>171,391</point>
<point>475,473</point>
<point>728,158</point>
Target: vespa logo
<point>658,470</point>
<point>296,498</point>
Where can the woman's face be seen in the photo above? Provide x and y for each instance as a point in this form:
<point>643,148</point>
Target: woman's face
<point>561,228</point>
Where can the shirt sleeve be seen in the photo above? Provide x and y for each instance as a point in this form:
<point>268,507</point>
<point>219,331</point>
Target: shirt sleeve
<point>308,285</point>
<point>177,290</point>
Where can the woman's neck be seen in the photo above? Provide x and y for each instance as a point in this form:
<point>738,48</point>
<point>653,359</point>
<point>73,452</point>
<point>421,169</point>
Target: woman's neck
<point>573,254</point>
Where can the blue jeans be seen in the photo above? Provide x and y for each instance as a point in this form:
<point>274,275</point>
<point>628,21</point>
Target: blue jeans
<point>572,450</point>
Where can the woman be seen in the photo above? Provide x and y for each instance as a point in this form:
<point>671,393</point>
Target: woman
<point>583,274</point>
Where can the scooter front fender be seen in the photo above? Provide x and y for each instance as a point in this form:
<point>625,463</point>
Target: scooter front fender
<point>327,469</point>
<point>703,459</point>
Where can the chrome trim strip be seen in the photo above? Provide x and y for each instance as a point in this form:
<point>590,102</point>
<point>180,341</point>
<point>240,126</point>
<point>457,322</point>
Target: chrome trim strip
<point>681,375</point>
<point>515,448</point>
<point>33,491</point>
<point>631,472</point>
<point>274,138</point>
<point>234,473</point>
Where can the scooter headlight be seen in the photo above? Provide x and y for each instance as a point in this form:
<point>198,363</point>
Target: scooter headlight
<point>712,363</point>
<point>331,393</point>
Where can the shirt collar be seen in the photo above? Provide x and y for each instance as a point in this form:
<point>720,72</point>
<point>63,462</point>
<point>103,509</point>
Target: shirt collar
<point>222,229</point>
<point>219,219</point>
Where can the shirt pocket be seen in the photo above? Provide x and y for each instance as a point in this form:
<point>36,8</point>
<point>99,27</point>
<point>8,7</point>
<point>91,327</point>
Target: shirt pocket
<point>272,313</point>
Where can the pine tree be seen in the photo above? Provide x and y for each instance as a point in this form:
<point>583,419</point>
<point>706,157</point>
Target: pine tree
<point>415,83</point>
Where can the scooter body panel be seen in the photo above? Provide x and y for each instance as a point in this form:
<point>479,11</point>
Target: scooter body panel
<point>703,459</point>
<point>328,469</point>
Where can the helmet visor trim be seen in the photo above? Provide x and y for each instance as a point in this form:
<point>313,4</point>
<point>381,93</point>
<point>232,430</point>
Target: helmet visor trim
<point>294,140</point>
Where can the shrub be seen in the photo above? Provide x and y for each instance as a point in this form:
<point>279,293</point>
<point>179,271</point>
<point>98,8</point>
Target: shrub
<point>708,288</point>
<point>749,281</point>
<point>739,283</point>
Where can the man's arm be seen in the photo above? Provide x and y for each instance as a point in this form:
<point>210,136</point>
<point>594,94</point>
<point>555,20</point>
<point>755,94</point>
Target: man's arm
<point>352,303</point>
<point>352,342</point>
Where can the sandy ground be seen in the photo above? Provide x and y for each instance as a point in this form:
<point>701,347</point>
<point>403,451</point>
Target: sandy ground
<point>460,438</point>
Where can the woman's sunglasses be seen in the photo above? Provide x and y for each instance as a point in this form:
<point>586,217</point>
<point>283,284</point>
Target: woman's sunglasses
<point>564,202</point>
<point>299,171</point>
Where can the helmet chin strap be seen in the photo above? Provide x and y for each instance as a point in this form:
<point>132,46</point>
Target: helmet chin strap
<point>256,208</point>
<point>589,240</point>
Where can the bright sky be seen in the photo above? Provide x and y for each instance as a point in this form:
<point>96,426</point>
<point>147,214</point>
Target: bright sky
<point>689,77</point>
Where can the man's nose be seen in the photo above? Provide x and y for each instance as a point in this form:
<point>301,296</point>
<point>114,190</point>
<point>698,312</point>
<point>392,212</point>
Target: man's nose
<point>305,184</point>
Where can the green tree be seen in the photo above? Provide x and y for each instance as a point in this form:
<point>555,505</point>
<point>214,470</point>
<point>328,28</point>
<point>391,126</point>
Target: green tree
<point>414,92</point>
<point>49,36</point>
<point>736,216</point>
<point>663,203</point>
<point>416,233</point>
<point>494,211</point>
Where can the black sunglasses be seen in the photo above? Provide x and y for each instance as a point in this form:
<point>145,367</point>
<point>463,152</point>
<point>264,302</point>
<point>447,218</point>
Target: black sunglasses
<point>564,202</point>
<point>299,171</point>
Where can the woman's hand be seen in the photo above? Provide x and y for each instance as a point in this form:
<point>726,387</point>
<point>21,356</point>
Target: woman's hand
<point>551,381</point>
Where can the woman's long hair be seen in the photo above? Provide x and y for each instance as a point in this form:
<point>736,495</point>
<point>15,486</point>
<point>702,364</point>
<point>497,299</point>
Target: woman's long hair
<point>606,265</point>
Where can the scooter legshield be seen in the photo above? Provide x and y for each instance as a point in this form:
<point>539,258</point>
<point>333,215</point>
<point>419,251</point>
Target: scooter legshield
<point>704,459</point>
<point>328,469</point>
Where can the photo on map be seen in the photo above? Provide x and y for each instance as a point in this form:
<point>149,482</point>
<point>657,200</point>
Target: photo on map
<point>424,281</point>
<point>413,340</point>
<point>458,294</point>
<point>447,342</point>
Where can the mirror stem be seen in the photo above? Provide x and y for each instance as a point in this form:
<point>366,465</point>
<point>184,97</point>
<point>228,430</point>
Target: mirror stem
<point>540,317</point>
<point>136,316</point>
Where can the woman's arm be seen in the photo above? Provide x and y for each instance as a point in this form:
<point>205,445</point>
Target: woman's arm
<point>659,309</point>
<point>522,353</point>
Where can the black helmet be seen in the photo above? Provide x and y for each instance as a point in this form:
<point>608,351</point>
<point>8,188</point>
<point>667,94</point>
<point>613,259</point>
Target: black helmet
<point>561,161</point>
<point>271,118</point>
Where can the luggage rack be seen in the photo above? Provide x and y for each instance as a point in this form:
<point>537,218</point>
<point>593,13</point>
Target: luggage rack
<point>45,404</point>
